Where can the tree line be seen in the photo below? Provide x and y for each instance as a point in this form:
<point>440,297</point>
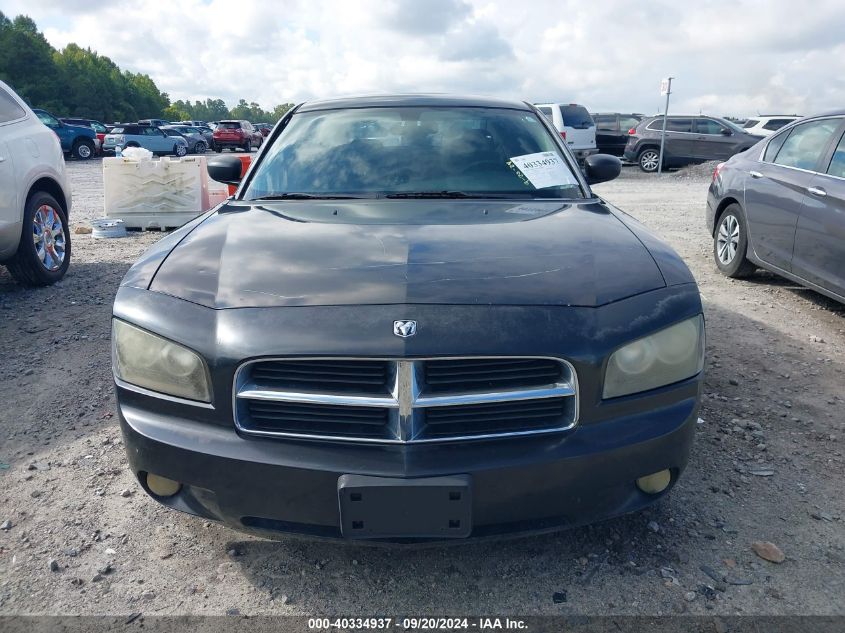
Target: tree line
<point>77,81</point>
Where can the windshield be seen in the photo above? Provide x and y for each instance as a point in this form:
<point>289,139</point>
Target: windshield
<point>408,151</point>
<point>733,126</point>
<point>47,119</point>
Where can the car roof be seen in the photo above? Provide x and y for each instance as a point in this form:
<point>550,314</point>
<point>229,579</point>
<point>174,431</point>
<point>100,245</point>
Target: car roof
<point>412,100</point>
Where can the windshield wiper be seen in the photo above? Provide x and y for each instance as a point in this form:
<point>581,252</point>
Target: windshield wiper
<point>443,194</point>
<point>295,195</point>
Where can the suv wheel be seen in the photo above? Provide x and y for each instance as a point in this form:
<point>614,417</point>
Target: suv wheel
<point>43,254</point>
<point>82,149</point>
<point>730,243</point>
<point>648,160</point>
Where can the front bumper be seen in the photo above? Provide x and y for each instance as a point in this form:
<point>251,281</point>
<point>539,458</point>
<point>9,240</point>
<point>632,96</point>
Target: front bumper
<point>525,485</point>
<point>518,485</point>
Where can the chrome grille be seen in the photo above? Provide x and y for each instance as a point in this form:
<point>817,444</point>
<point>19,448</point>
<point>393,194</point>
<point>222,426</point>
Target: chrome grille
<point>407,400</point>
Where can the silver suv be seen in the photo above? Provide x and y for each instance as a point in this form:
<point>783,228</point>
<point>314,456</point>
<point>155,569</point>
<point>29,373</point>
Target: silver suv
<point>34,196</point>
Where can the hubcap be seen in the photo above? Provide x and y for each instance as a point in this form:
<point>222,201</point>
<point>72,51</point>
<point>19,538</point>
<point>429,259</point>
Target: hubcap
<point>727,241</point>
<point>649,160</point>
<point>48,232</point>
<point>84,151</point>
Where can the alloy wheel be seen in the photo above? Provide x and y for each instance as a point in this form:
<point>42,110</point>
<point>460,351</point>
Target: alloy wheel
<point>727,241</point>
<point>48,232</point>
<point>649,159</point>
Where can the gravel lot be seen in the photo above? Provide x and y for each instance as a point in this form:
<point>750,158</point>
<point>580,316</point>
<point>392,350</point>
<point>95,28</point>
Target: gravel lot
<point>767,466</point>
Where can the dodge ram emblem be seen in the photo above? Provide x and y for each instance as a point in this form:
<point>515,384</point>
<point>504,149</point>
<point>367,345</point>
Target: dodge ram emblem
<point>404,329</point>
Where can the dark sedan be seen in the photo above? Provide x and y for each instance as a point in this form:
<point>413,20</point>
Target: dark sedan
<point>413,321</point>
<point>781,206</point>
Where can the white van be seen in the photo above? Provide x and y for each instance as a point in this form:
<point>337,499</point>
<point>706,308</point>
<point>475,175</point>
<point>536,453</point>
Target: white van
<point>34,196</point>
<point>575,125</point>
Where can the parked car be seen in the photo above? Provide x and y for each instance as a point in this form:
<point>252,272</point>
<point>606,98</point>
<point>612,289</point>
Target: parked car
<point>767,125</point>
<point>575,125</point>
<point>264,128</point>
<point>148,136</point>
<point>99,128</point>
<point>193,123</point>
<point>689,140</point>
<point>613,129</point>
<point>236,135</point>
<point>494,349</point>
<point>79,141</point>
<point>197,143</point>
<point>34,196</point>
<point>155,122</point>
<point>781,206</point>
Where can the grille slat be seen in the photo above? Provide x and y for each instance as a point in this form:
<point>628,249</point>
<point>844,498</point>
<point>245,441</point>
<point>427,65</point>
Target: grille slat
<point>444,399</point>
<point>495,374</point>
<point>284,417</point>
<point>344,377</point>
<point>470,420</point>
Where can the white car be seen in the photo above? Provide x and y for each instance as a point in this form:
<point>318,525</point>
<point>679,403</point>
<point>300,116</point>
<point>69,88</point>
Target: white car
<point>767,125</point>
<point>34,196</point>
<point>575,126</point>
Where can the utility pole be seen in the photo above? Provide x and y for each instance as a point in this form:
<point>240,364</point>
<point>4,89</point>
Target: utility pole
<point>665,89</point>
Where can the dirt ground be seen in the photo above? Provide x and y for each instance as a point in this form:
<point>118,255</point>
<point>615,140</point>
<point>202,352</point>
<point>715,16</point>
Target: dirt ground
<point>767,466</point>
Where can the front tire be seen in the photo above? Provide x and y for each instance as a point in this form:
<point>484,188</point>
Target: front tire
<point>43,254</point>
<point>649,159</point>
<point>199,148</point>
<point>82,150</point>
<point>180,150</point>
<point>730,243</point>
<point>248,147</point>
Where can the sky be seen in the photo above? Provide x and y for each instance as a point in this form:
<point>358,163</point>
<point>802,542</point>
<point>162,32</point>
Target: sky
<point>728,57</point>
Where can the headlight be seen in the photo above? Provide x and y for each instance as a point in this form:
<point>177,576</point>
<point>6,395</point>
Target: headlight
<point>152,362</point>
<point>668,356</point>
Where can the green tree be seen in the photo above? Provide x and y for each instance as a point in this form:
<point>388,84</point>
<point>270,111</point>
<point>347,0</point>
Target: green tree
<point>26,63</point>
<point>279,111</point>
<point>174,113</point>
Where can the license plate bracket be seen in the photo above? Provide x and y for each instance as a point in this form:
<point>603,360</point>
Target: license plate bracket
<point>389,507</point>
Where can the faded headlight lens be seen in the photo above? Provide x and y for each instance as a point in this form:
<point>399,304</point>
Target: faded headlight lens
<point>668,356</point>
<point>152,362</point>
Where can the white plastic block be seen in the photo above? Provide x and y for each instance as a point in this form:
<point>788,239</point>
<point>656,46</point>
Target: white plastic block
<point>162,193</point>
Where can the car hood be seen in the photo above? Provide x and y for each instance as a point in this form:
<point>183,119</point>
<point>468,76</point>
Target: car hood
<point>358,252</point>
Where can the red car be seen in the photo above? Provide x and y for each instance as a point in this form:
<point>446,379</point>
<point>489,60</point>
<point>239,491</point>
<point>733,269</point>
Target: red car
<point>236,135</point>
<point>264,128</point>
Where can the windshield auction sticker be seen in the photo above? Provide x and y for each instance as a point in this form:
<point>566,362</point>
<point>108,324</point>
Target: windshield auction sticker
<point>543,169</point>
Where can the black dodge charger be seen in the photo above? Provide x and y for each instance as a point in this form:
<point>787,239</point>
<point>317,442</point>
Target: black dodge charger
<point>413,321</point>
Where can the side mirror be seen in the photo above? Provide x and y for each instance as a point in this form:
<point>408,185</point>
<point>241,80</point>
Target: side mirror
<point>727,132</point>
<point>225,169</point>
<point>601,168</point>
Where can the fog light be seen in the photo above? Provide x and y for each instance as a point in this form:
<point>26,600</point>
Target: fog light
<point>657,482</point>
<point>162,486</point>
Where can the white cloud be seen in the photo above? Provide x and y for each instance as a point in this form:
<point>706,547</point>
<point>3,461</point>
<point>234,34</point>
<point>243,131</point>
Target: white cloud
<point>728,56</point>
